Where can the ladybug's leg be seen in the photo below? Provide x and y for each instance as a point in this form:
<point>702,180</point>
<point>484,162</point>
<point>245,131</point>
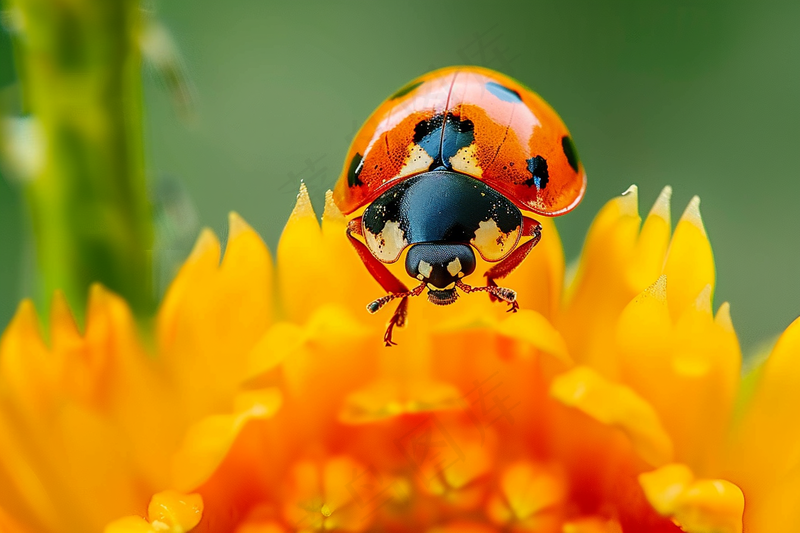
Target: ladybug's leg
<point>530,228</point>
<point>387,280</point>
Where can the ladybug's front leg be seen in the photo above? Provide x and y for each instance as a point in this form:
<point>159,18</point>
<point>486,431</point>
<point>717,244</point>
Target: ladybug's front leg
<point>530,228</point>
<point>387,280</point>
<point>398,319</point>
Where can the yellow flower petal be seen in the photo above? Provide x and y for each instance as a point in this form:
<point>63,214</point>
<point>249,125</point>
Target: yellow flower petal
<point>592,525</point>
<point>9,525</point>
<point>199,266</point>
<point>301,266</point>
<point>179,512</point>
<point>330,326</point>
<point>532,496</point>
<point>324,496</point>
<point>64,334</point>
<point>535,330</point>
<point>212,309</point>
<point>260,525</point>
<point>617,406</point>
<point>710,506</point>
<point>690,263</point>
<point>539,280</point>
<point>21,485</point>
<point>663,487</point>
<point>764,453</point>
<point>452,467</point>
<point>168,512</point>
<point>699,355</point>
<point>462,527</point>
<point>281,340</point>
<point>348,285</point>
<point>698,506</point>
<point>130,524</point>
<point>99,412</point>
<point>208,441</point>
<point>26,368</point>
<point>652,244</point>
<point>389,398</point>
<point>530,330</point>
<point>617,263</point>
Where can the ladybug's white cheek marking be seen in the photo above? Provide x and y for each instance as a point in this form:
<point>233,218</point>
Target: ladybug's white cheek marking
<point>417,160</point>
<point>454,267</point>
<point>491,242</point>
<point>389,243</point>
<point>425,269</point>
<point>466,161</point>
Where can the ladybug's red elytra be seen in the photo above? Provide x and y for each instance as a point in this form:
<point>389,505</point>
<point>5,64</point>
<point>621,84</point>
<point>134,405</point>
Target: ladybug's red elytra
<point>452,163</point>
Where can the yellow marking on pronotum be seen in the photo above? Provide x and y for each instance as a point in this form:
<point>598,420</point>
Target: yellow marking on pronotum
<point>454,267</point>
<point>425,269</point>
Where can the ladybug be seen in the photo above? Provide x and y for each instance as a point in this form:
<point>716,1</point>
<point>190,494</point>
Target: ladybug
<point>453,163</point>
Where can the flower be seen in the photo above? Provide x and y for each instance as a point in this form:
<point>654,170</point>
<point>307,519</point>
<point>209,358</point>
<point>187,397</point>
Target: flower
<point>266,402</point>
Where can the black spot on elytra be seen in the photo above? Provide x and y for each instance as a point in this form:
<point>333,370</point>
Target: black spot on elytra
<point>539,174</point>
<point>428,135</point>
<point>570,151</point>
<point>405,89</point>
<point>355,170</point>
<point>457,134</point>
<point>503,93</point>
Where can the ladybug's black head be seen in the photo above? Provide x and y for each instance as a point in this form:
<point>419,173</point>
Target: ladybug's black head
<point>442,218</point>
<point>439,266</point>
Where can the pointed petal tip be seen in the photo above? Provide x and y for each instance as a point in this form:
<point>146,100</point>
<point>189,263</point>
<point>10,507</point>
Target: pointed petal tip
<point>207,240</point>
<point>97,291</point>
<point>237,225</point>
<point>25,317</point>
<point>100,298</point>
<point>661,207</point>
<point>692,214</point>
<point>633,190</point>
<point>332,213</point>
<point>61,316</point>
<point>703,301</point>
<point>658,289</point>
<point>629,201</point>
<point>303,207</point>
<point>723,318</point>
<point>59,304</point>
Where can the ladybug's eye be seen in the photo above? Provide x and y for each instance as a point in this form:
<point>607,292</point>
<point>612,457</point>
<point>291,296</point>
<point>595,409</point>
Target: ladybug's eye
<point>570,151</point>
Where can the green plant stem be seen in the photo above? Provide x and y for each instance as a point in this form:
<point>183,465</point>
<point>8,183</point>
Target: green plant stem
<point>80,67</point>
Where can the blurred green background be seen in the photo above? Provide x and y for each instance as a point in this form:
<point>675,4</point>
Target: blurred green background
<point>700,95</point>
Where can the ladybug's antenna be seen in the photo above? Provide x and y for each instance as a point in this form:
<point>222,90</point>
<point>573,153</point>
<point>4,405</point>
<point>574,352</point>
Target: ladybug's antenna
<point>375,306</point>
<point>501,293</point>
